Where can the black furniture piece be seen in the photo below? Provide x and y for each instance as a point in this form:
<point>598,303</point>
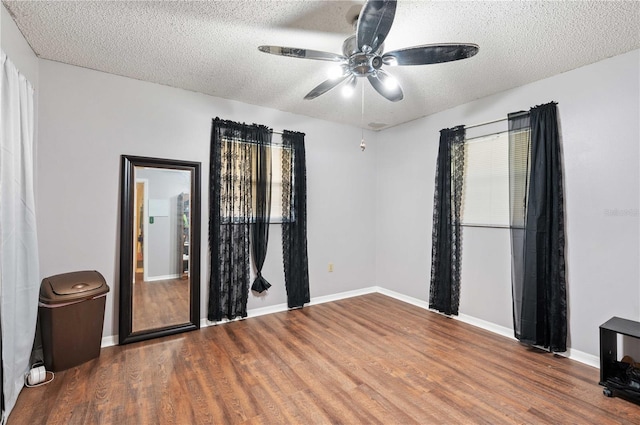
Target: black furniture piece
<point>613,372</point>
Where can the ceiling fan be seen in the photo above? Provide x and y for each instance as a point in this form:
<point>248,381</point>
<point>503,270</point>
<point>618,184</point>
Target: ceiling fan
<point>363,53</point>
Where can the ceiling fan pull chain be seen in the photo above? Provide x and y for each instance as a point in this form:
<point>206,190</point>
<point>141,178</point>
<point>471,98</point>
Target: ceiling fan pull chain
<point>363,145</point>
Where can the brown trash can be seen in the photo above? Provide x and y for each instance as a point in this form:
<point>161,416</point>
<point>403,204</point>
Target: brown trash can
<point>71,313</point>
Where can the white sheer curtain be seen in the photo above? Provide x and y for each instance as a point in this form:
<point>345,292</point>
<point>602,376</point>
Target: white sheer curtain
<point>19,274</point>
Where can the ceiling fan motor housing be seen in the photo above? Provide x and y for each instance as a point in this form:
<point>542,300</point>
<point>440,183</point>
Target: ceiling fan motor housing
<point>359,63</point>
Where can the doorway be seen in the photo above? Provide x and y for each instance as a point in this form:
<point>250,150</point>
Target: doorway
<point>140,231</point>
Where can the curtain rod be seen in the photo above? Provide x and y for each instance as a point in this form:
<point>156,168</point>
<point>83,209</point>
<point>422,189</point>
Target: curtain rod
<point>485,123</point>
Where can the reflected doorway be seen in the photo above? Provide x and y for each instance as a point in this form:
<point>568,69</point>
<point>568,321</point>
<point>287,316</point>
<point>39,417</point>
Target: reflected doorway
<point>139,233</point>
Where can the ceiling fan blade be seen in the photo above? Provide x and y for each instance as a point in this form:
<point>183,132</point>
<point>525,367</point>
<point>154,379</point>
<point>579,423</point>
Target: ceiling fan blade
<point>429,54</point>
<point>325,86</point>
<point>386,85</point>
<point>294,52</point>
<point>374,24</point>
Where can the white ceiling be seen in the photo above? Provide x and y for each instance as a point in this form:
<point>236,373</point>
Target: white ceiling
<point>211,47</point>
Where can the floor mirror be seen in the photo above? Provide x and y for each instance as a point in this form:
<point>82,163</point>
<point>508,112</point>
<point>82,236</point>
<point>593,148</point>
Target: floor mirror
<point>159,248</point>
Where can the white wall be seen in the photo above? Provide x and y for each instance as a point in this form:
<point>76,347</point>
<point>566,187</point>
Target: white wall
<point>88,119</point>
<point>599,110</point>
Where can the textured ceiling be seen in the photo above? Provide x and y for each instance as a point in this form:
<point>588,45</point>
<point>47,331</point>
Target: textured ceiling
<point>211,47</point>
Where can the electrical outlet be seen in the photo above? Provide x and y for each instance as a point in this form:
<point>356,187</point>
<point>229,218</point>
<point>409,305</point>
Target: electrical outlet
<point>330,268</point>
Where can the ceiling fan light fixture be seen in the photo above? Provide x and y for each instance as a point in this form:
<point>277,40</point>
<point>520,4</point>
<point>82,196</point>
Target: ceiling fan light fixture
<point>336,71</point>
<point>350,87</point>
<point>390,83</point>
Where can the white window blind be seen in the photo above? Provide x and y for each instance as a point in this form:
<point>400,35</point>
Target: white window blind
<point>519,151</point>
<point>276,183</point>
<point>486,197</point>
<point>485,200</point>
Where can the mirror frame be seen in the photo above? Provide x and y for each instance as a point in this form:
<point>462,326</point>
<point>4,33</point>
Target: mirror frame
<point>129,163</point>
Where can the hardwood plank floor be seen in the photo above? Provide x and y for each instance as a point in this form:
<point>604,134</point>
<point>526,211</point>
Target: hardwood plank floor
<point>364,360</point>
<point>150,307</point>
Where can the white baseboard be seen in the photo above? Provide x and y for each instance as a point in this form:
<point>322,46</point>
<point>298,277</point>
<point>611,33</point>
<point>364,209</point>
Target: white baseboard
<point>343,295</point>
<point>109,341</point>
<point>483,324</point>
<point>402,297</point>
<point>582,357</point>
<point>165,277</point>
<point>488,326</point>
<point>278,308</point>
<point>576,355</point>
<point>254,312</point>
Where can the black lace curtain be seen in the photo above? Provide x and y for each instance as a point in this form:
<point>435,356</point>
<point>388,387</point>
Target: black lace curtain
<point>519,155</point>
<point>446,248</point>
<point>262,202</point>
<point>231,214</point>
<point>538,230</point>
<point>294,226</point>
<point>240,199</point>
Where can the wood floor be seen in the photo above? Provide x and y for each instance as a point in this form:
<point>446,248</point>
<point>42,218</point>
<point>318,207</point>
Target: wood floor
<point>160,303</point>
<point>363,360</point>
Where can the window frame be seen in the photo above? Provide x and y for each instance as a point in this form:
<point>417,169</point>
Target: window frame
<point>521,148</point>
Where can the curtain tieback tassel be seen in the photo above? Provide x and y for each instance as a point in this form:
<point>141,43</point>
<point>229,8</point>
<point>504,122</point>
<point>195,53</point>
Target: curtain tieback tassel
<point>260,284</point>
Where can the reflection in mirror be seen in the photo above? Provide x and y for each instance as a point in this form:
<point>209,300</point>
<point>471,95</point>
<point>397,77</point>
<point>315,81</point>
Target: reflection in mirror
<point>161,254</point>
<point>159,248</point>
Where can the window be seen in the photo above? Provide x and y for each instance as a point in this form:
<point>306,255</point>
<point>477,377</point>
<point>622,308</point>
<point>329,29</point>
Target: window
<point>519,153</point>
<point>485,200</point>
<point>244,156</point>
<point>277,153</point>
<point>486,197</point>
